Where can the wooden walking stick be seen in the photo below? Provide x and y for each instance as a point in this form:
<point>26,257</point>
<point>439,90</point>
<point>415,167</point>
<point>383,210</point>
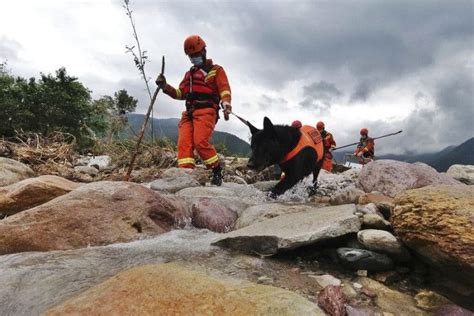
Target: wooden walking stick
<point>145,122</point>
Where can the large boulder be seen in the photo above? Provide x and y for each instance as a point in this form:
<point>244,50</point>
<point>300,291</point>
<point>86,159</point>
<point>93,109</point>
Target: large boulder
<point>262,212</point>
<point>346,196</point>
<point>213,214</point>
<point>94,214</point>
<point>437,223</point>
<point>32,192</point>
<point>391,177</point>
<point>12,171</point>
<point>289,231</point>
<point>463,173</point>
<point>171,289</point>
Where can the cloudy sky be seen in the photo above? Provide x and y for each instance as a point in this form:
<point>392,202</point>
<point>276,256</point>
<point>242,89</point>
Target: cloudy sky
<point>386,65</point>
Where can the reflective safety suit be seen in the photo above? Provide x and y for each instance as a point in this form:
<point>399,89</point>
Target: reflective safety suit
<point>366,146</point>
<point>329,143</point>
<point>203,88</point>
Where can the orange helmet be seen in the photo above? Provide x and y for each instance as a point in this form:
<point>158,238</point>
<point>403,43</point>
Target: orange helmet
<point>364,131</point>
<point>320,125</point>
<point>193,44</point>
<point>296,124</point>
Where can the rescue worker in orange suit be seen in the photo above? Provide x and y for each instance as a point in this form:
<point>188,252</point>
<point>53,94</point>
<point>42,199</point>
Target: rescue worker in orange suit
<point>204,87</point>
<point>329,145</point>
<point>366,148</point>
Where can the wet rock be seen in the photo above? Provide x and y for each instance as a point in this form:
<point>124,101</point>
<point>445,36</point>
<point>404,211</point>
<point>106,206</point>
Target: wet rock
<point>265,186</point>
<point>390,300</point>
<point>382,241</point>
<point>12,171</point>
<point>375,221</point>
<point>31,192</point>
<point>430,301</point>
<point>94,214</point>
<point>173,185</point>
<point>360,259</point>
<point>91,171</point>
<point>247,193</point>
<point>32,282</point>
<point>436,222</point>
<point>213,215</point>
<point>347,196</point>
<point>174,290</point>
<point>363,311</point>
<point>289,231</point>
<point>262,212</point>
<point>391,177</point>
<point>352,174</point>
<point>462,173</point>
<point>325,280</point>
<point>332,300</point>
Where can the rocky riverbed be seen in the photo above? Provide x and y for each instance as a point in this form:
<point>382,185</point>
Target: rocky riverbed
<point>371,242</point>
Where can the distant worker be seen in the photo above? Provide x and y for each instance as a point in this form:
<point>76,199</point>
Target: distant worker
<point>329,145</point>
<point>366,148</point>
<point>204,87</point>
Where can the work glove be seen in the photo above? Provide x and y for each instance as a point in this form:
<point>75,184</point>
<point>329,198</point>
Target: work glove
<point>161,81</point>
<point>227,108</point>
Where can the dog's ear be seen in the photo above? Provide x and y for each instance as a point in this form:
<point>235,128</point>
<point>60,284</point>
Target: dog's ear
<point>252,128</point>
<point>267,125</point>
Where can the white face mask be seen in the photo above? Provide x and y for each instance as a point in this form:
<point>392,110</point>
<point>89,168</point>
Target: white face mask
<point>197,61</point>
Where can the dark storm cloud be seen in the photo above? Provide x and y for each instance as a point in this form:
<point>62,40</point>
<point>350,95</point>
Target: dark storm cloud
<point>362,91</point>
<point>320,96</point>
<point>267,102</point>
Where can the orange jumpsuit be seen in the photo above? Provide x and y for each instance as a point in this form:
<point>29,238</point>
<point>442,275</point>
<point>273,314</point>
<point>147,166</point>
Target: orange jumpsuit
<point>202,88</point>
<point>367,147</point>
<point>329,143</point>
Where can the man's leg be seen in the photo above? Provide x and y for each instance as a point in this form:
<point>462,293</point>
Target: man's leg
<point>185,142</point>
<point>204,121</point>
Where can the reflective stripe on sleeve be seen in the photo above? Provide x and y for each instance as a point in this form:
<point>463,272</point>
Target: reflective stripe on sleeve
<point>224,93</point>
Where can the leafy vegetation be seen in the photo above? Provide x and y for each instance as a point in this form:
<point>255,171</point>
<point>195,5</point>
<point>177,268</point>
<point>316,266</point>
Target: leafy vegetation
<point>59,103</point>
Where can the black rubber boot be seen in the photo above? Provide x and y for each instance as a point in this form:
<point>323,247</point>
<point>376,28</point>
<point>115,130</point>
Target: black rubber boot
<point>217,176</point>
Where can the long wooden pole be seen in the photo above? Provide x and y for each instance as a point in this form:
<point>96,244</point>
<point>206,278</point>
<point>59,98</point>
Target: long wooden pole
<point>145,122</point>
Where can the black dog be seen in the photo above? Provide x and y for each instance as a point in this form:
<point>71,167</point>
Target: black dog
<point>273,144</point>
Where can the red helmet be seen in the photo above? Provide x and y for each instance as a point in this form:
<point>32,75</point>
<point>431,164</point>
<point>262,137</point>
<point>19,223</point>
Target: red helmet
<point>364,131</point>
<point>193,44</point>
<point>320,125</point>
<point>296,124</point>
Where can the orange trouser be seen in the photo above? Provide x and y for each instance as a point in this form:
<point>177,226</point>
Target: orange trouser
<point>327,164</point>
<point>195,133</point>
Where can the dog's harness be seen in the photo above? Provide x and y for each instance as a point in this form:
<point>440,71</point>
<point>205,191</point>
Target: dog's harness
<point>310,137</point>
